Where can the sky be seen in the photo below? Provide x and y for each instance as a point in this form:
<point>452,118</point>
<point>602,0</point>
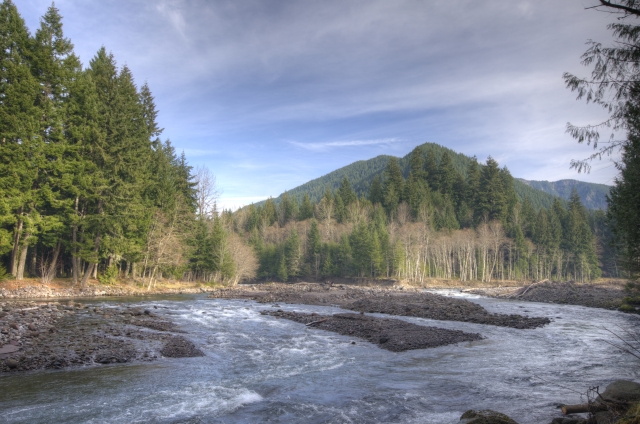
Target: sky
<point>269,94</point>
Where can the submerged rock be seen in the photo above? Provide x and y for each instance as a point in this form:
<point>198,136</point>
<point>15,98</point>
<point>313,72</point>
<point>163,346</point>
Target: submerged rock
<point>485,417</point>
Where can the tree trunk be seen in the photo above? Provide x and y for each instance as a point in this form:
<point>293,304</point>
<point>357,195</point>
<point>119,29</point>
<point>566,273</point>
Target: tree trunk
<point>91,267</point>
<point>22,261</point>
<point>33,265</point>
<point>16,248</point>
<point>87,273</point>
<point>50,273</point>
<point>75,261</point>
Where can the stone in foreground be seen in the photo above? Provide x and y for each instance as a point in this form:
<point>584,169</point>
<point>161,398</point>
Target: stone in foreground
<point>485,417</point>
<point>179,347</point>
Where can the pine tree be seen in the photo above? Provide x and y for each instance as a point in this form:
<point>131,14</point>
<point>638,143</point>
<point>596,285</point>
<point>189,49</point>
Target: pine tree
<point>473,184</point>
<point>340,209</point>
<point>346,192</point>
<point>492,201</point>
<point>360,243</point>
<point>431,170</point>
<point>292,253</point>
<point>282,273</point>
<point>376,194</point>
<point>344,258</point>
<point>306,209</point>
<point>446,175</point>
<point>416,163</point>
<point>21,147</point>
<point>624,198</point>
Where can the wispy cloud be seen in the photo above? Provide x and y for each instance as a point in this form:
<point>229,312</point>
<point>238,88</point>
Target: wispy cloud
<point>171,11</point>
<point>192,153</point>
<point>324,146</point>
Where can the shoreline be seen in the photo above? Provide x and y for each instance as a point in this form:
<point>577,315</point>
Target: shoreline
<point>55,335</point>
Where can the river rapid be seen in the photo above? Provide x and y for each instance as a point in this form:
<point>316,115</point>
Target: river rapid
<point>261,369</point>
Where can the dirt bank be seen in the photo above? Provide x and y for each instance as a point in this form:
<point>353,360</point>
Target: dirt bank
<point>406,302</point>
<point>390,334</point>
<point>606,295</point>
<point>55,335</point>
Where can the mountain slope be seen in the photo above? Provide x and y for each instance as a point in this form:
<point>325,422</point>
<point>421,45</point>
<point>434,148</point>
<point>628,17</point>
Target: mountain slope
<point>593,196</point>
<point>361,173</point>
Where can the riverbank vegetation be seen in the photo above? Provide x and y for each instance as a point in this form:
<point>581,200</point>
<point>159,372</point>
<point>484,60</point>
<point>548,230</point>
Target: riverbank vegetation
<point>87,187</point>
<point>434,224</point>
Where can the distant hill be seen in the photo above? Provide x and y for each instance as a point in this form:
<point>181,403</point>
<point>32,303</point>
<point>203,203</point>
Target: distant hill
<point>361,173</point>
<point>593,196</point>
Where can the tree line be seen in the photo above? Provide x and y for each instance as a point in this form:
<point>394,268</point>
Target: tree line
<point>436,223</point>
<point>87,187</point>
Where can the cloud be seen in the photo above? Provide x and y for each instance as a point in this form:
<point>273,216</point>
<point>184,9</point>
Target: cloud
<point>347,80</point>
<point>324,146</point>
<point>171,10</point>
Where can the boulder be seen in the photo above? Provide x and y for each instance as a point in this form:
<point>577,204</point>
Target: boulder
<point>569,420</point>
<point>622,391</point>
<point>485,417</point>
<point>179,347</point>
<point>11,363</point>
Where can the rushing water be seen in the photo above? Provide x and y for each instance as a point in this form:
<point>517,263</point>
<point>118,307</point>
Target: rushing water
<point>261,369</point>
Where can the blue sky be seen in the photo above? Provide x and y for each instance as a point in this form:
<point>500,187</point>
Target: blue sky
<point>271,94</point>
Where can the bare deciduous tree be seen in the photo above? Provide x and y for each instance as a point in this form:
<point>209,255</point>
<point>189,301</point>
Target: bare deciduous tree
<point>208,192</point>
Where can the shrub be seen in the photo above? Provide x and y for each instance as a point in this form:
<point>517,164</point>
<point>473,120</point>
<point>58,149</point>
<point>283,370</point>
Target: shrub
<point>109,275</point>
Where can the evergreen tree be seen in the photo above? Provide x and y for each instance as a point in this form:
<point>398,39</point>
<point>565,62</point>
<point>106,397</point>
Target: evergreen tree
<point>346,192</point>
<point>360,244</point>
<point>344,257</point>
<point>376,193</point>
<point>431,170</point>
<point>492,198</point>
<point>473,184</point>
<point>306,209</point>
<point>292,253</point>
<point>313,247</point>
<point>446,175</point>
<point>416,163</point>
<point>624,198</point>
<point>21,146</point>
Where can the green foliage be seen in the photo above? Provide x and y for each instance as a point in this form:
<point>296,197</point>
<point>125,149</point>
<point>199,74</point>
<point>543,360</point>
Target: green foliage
<point>83,174</point>
<point>624,200</point>
<point>109,276</point>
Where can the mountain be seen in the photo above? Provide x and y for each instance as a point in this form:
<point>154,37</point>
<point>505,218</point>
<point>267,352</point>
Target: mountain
<point>361,173</point>
<point>593,196</point>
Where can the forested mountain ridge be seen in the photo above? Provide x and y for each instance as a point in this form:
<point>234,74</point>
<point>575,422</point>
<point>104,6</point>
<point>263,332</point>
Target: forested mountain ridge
<point>593,196</point>
<point>361,174</point>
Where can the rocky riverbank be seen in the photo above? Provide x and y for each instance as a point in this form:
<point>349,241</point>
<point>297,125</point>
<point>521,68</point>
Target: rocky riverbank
<point>59,335</point>
<point>406,302</point>
<point>390,334</point>
<point>41,291</point>
<point>608,295</point>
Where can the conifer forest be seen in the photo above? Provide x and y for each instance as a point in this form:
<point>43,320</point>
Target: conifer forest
<point>89,189</point>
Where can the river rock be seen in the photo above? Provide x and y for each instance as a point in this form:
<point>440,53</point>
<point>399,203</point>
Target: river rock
<point>622,391</point>
<point>569,420</point>
<point>485,417</point>
<point>179,347</point>
<point>11,363</point>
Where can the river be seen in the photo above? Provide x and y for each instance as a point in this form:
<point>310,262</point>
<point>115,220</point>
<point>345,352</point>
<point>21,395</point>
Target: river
<point>261,369</point>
